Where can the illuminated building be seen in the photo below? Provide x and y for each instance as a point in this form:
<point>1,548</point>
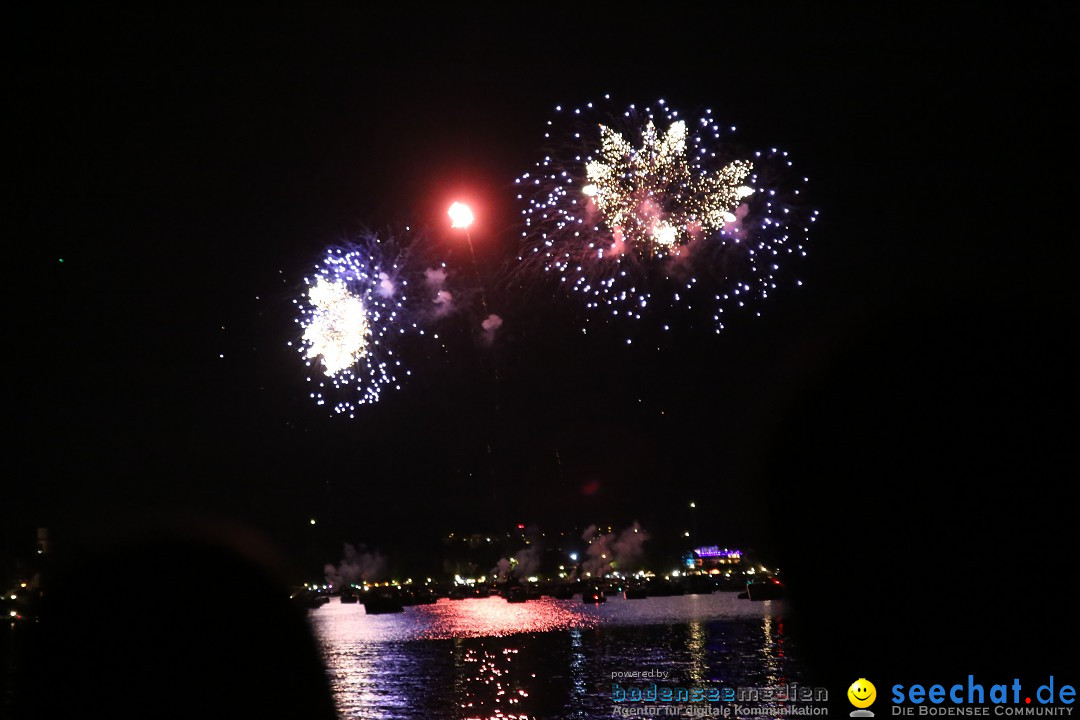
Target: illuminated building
<point>713,558</point>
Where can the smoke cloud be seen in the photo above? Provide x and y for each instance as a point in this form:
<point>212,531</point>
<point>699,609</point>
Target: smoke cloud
<point>524,563</point>
<point>491,325</point>
<point>612,552</point>
<point>356,566</point>
<point>386,286</point>
<point>435,279</point>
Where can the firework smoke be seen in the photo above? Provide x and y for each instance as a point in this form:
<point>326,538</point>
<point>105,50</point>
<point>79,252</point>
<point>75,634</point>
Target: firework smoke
<point>523,563</point>
<point>611,552</point>
<point>441,298</point>
<point>356,566</point>
<point>490,326</point>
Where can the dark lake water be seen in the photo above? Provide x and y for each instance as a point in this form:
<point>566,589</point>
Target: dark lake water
<point>547,658</point>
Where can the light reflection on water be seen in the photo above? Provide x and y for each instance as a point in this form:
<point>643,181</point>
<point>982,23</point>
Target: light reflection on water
<point>547,658</point>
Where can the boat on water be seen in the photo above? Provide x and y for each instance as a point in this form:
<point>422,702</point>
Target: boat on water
<point>516,594</point>
<point>425,596</point>
<point>635,592</point>
<point>593,595</point>
<point>700,584</point>
<point>665,588</point>
<point>417,596</point>
<point>349,596</point>
<point>309,599</point>
<point>767,588</point>
<point>564,591</point>
<point>379,601</point>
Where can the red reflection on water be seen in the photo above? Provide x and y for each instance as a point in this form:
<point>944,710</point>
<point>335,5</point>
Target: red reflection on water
<point>494,616</point>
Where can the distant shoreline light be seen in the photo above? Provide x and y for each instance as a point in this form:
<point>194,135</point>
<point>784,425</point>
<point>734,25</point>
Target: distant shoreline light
<point>716,551</point>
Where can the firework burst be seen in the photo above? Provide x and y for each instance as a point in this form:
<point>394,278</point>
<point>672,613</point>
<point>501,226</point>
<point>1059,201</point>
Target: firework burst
<point>351,313</point>
<point>646,211</point>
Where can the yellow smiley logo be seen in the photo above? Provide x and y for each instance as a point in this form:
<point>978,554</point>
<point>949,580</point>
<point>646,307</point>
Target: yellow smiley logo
<point>862,693</point>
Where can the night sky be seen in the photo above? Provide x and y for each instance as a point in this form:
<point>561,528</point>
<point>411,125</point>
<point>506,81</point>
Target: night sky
<point>904,412</point>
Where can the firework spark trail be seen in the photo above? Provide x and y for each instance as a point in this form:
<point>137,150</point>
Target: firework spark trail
<point>351,313</point>
<point>648,210</point>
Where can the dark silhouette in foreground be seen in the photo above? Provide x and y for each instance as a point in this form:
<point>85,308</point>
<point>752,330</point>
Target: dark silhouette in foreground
<point>167,624</point>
